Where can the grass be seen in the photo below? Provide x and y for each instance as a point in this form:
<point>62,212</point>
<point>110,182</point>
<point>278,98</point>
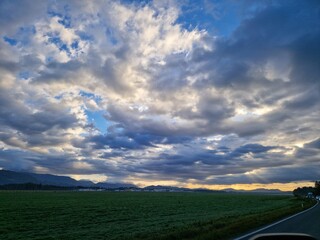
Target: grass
<point>129,215</point>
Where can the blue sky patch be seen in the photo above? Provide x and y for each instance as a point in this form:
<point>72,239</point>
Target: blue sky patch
<point>24,75</point>
<point>11,41</point>
<point>87,94</point>
<point>97,119</point>
<point>75,45</point>
<point>58,42</point>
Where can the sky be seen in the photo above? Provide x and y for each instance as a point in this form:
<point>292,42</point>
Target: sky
<point>215,94</point>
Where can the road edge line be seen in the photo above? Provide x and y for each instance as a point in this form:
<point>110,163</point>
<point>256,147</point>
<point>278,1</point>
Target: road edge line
<point>273,224</point>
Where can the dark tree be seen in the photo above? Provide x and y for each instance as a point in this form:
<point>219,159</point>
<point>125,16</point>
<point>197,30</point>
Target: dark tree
<point>303,192</point>
<point>317,188</point>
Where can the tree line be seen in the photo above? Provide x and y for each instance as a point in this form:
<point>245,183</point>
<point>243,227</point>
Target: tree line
<point>306,191</point>
<point>33,186</point>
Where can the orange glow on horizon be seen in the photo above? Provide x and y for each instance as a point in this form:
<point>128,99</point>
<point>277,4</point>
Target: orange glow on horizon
<point>280,186</point>
<point>253,186</point>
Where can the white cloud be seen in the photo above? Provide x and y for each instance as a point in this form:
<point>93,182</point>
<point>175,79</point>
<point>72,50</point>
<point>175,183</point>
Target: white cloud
<point>165,91</point>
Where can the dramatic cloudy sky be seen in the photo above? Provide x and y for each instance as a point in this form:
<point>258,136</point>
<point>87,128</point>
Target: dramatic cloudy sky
<point>189,93</point>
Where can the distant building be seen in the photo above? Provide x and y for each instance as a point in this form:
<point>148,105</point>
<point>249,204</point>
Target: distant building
<point>89,190</point>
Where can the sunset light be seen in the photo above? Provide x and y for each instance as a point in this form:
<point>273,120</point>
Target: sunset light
<point>197,94</point>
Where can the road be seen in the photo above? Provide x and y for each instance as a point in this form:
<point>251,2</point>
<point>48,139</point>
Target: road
<point>307,222</point>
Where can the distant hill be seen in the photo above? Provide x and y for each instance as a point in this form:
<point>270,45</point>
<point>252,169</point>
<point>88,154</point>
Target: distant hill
<point>11,177</point>
<point>24,178</point>
<point>258,190</point>
<point>107,185</point>
<point>159,188</point>
<point>48,179</point>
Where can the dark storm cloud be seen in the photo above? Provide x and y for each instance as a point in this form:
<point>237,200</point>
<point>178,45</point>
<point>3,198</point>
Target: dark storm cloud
<point>19,160</point>
<point>313,144</point>
<point>277,41</point>
<point>306,57</point>
<point>211,111</point>
<point>278,168</point>
<point>12,17</point>
<point>36,128</point>
<point>186,158</point>
<point>68,73</point>
<point>56,72</point>
<point>308,154</point>
<point>272,175</point>
<point>16,160</point>
<point>230,65</point>
<point>115,141</point>
<point>215,108</point>
<point>8,65</point>
<point>117,138</point>
<point>304,101</point>
<point>198,163</point>
<point>16,115</point>
<point>148,139</point>
<point>271,29</point>
<point>251,148</point>
<point>248,128</point>
<point>130,121</point>
<point>284,27</point>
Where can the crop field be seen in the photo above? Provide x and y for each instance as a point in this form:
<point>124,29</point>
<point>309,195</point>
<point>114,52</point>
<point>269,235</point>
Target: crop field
<point>136,215</point>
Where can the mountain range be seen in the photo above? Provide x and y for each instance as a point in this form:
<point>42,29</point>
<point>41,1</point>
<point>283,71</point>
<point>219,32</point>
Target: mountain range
<point>12,177</point>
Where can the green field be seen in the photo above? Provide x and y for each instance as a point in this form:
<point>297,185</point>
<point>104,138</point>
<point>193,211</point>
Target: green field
<point>136,215</point>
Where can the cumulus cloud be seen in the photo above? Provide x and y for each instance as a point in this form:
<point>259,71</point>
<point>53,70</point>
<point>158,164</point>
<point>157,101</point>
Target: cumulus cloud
<point>146,91</point>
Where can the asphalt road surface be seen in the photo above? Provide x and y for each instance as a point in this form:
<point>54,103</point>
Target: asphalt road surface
<point>307,223</point>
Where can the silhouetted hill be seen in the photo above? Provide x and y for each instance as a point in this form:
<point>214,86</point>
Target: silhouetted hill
<point>34,181</point>
<point>107,185</point>
<point>11,177</point>
<point>258,190</point>
<point>48,179</point>
<point>164,188</point>
<point>159,188</point>
<point>33,186</point>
